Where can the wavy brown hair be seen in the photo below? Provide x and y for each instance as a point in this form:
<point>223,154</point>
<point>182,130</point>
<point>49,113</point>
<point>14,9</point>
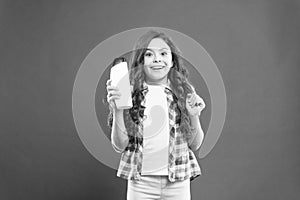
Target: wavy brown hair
<point>178,76</point>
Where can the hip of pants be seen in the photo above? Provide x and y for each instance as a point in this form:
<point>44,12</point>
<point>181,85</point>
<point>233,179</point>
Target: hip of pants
<point>158,187</point>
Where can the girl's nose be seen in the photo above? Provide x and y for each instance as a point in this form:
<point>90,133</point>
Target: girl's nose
<point>157,59</point>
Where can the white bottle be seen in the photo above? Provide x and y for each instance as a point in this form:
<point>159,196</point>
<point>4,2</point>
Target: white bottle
<point>119,75</point>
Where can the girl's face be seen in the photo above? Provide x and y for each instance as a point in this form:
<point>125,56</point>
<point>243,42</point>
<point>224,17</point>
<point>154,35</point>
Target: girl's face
<point>157,61</point>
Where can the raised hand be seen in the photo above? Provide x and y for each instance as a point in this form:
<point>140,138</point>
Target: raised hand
<point>112,93</point>
<point>194,104</point>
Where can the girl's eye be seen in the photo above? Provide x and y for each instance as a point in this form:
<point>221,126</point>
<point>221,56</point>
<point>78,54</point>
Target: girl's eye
<point>164,53</point>
<point>148,54</point>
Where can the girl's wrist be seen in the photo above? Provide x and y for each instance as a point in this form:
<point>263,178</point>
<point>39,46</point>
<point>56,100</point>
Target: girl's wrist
<point>117,111</point>
<point>196,116</point>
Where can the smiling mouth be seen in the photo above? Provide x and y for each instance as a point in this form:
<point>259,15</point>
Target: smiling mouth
<point>157,67</point>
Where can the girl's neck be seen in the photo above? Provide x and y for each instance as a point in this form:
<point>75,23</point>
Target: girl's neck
<point>163,82</point>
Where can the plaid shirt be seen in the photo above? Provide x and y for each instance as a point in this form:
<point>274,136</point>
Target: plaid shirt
<point>182,163</point>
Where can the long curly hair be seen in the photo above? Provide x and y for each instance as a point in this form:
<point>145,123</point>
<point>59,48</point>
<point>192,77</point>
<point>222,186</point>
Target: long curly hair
<point>178,76</point>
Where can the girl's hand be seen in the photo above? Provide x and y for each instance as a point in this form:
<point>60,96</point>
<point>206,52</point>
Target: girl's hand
<point>112,94</point>
<point>194,104</point>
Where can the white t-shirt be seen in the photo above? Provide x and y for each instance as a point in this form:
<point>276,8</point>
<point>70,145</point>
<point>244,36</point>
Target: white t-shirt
<point>156,132</point>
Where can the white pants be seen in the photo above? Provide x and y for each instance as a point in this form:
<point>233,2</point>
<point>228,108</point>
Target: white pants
<point>158,187</point>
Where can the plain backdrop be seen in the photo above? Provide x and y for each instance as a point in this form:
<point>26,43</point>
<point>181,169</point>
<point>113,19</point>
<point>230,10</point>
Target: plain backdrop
<point>255,45</point>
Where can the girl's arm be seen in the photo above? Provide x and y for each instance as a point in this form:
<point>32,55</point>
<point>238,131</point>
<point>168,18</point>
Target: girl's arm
<point>119,137</point>
<point>197,134</point>
<point>194,105</point>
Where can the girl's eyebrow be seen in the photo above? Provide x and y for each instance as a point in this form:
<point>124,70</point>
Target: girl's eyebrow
<point>164,48</point>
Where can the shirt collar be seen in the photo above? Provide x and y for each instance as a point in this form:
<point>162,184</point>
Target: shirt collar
<point>167,90</point>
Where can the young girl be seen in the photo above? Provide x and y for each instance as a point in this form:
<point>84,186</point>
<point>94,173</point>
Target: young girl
<point>157,135</point>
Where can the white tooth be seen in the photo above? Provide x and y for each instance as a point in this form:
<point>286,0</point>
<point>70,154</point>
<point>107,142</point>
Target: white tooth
<point>157,67</point>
